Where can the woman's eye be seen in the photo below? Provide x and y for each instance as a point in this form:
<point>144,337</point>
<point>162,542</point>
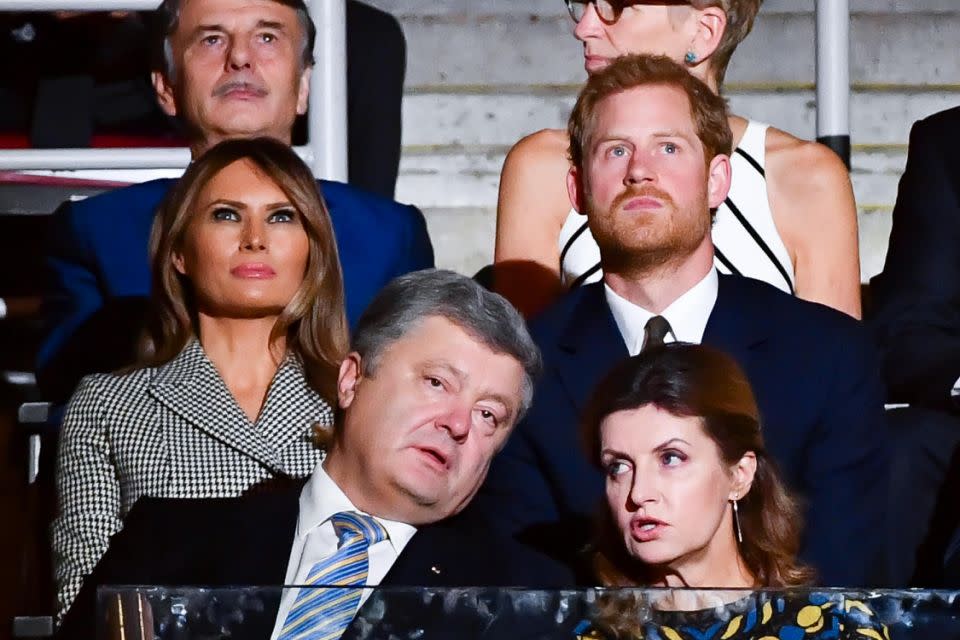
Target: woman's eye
<point>670,148</point>
<point>283,215</point>
<point>616,468</point>
<point>225,213</point>
<point>672,458</point>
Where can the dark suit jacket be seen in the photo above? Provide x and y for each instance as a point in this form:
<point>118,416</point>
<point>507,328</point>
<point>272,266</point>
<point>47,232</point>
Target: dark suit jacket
<point>916,299</point>
<point>247,541</point>
<point>815,377</point>
<point>99,272</point>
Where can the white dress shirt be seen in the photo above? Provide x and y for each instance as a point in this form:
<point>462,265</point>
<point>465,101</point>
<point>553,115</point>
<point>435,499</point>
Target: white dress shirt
<point>687,315</point>
<point>316,539</point>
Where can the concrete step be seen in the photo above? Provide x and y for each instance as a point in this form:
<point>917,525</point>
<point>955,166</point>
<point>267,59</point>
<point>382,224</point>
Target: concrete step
<point>466,49</point>
<point>491,117</point>
<point>470,177</point>
<point>470,8</point>
<point>463,238</point>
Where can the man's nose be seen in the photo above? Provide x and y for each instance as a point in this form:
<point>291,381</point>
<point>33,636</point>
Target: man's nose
<point>638,170</point>
<point>456,420</point>
<point>238,54</point>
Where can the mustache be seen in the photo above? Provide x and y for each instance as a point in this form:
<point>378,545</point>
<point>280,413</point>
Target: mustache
<point>648,191</point>
<point>242,85</point>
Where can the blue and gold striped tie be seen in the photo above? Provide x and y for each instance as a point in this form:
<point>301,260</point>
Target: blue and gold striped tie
<point>323,614</point>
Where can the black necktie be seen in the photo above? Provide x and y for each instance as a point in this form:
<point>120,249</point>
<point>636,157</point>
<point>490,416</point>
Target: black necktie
<point>656,330</point>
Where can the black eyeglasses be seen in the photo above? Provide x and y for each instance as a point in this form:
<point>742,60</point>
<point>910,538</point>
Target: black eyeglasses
<point>610,10</point>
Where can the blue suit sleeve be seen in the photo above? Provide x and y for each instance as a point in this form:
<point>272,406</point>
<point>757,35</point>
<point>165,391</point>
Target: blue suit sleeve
<point>847,468</point>
<point>72,293</point>
<point>916,315</point>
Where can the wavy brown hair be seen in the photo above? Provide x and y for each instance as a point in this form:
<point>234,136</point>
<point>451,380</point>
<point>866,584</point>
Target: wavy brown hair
<point>314,321</point>
<point>697,381</point>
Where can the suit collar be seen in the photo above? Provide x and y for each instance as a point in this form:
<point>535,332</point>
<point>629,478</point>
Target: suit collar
<point>191,387</point>
<point>589,344</point>
<point>737,323</point>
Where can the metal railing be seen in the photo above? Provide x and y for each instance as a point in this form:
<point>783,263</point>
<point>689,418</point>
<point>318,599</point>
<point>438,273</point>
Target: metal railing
<point>326,148</point>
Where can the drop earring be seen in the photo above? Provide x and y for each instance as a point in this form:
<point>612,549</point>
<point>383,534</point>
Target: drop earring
<point>736,522</point>
<point>690,57</point>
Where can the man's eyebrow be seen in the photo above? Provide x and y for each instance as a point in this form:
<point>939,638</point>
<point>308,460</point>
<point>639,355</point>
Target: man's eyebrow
<point>443,364</point>
<point>271,24</point>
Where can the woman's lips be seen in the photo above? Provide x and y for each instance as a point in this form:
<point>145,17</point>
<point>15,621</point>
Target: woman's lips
<point>646,529</point>
<point>254,270</point>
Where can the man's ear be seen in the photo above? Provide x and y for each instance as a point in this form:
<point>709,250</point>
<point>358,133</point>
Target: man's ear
<point>575,190</point>
<point>718,180</point>
<point>711,23</point>
<point>303,93</point>
<point>351,373</point>
<point>165,94</point>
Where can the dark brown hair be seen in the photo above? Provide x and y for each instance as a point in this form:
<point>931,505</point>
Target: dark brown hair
<point>697,381</point>
<point>708,110</point>
<point>740,16</point>
<point>314,321</point>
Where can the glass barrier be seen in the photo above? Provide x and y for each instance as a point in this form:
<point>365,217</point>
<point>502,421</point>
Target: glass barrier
<point>168,613</point>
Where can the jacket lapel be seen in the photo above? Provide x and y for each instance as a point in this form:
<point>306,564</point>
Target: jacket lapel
<point>735,326</point>
<point>588,346</point>
<point>291,407</point>
<point>190,387</point>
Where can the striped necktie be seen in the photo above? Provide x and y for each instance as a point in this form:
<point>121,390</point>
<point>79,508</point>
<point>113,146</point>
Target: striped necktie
<point>323,614</point>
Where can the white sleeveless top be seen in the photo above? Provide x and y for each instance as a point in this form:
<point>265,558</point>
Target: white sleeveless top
<point>745,238</point>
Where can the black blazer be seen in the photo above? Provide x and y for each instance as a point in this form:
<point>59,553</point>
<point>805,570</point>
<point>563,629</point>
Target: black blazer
<point>813,371</point>
<point>916,298</point>
<point>247,541</point>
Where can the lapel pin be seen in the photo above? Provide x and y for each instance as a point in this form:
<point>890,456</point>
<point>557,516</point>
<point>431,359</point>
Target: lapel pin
<point>435,569</point>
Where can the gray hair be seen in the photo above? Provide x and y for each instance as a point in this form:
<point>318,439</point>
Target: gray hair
<point>168,14</point>
<point>488,317</point>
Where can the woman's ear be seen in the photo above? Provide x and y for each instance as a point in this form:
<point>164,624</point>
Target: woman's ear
<point>742,474</point>
<point>178,263</point>
<point>711,23</point>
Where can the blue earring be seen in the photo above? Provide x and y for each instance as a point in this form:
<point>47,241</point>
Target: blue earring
<point>690,57</point>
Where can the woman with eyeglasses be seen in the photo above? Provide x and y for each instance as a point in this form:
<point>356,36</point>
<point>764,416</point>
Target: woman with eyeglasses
<point>790,218</point>
<point>695,506</point>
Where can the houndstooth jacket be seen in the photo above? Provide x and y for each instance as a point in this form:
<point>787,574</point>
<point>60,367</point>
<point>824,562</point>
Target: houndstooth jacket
<point>173,431</point>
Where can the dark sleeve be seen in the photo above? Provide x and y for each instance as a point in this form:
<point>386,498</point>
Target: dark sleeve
<point>916,299</point>
<point>71,295</point>
<point>418,252</point>
<point>516,494</point>
<point>376,66</point>
<point>846,466</point>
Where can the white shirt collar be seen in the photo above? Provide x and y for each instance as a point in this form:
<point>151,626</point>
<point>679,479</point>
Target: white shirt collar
<point>321,498</point>
<point>687,315</point>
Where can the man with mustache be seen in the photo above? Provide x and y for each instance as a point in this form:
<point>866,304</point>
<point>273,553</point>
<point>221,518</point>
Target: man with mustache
<point>227,68</point>
<point>439,372</point>
<point>649,151</point>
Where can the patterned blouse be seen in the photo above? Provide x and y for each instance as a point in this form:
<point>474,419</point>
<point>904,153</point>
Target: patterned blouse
<point>761,616</point>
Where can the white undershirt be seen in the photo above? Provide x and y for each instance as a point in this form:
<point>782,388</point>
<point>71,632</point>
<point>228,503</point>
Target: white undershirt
<point>315,539</point>
<point>687,315</point>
